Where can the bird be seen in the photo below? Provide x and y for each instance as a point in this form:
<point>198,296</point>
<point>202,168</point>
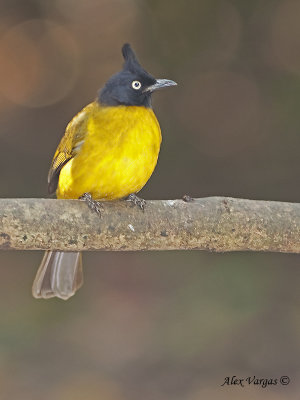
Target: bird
<point>108,152</point>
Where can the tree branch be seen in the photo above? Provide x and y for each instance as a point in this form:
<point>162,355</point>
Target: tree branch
<point>215,223</point>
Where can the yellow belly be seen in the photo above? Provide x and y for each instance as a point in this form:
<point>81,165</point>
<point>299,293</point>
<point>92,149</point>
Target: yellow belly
<point>117,157</point>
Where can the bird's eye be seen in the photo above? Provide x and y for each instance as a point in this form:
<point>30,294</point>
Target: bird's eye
<point>136,85</point>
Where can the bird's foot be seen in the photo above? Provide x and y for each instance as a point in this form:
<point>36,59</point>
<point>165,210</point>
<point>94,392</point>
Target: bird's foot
<point>187,198</point>
<point>94,205</point>
<point>133,198</point>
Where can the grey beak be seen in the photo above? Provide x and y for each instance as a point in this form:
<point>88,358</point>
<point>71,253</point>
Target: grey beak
<point>159,84</point>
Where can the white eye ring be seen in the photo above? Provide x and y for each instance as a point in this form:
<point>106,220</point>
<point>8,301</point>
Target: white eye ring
<point>136,85</point>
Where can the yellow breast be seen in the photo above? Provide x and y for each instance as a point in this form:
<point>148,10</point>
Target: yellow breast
<point>117,156</point>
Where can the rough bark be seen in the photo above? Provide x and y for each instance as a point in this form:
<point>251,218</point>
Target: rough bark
<point>215,223</point>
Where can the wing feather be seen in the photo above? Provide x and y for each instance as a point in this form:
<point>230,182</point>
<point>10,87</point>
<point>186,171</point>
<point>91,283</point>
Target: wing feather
<point>69,145</point>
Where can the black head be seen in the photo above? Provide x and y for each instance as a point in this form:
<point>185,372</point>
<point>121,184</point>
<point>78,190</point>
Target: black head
<point>132,86</point>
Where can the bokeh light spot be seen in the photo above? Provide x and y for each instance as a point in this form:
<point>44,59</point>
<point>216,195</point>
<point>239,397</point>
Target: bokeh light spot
<point>39,63</point>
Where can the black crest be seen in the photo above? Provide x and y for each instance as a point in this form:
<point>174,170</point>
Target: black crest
<point>129,55</point>
<point>132,64</point>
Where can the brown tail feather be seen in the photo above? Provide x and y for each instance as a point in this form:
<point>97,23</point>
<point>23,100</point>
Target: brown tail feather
<point>59,275</point>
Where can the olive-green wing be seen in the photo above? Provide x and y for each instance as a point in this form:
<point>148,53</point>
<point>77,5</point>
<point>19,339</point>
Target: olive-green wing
<point>69,145</point>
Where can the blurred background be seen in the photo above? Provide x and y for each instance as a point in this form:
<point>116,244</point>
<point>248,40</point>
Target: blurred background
<point>156,325</point>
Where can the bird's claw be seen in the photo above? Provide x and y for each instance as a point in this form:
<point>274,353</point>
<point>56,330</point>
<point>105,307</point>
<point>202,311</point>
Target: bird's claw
<point>94,205</point>
<point>133,198</point>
